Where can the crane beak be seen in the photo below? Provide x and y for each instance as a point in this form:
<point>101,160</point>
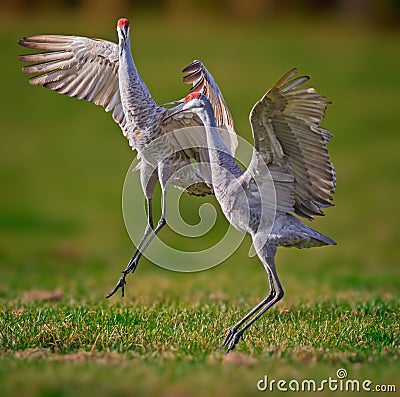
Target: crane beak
<point>175,110</point>
<point>172,103</point>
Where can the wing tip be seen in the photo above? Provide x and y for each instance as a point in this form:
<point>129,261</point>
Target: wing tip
<point>23,42</point>
<point>195,65</point>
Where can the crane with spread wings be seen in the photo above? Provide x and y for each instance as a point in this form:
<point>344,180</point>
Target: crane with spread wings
<point>290,172</point>
<point>104,73</point>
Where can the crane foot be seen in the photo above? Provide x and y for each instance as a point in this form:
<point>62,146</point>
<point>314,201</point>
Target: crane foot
<point>228,337</point>
<point>120,284</point>
<point>232,339</point>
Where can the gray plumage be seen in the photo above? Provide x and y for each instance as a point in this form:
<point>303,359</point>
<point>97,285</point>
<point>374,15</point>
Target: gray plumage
<point>290,172</point>
<point>104,73</point>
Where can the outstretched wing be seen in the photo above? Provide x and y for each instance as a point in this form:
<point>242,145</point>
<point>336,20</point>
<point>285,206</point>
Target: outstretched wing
<point>192,140</point>
<point>202,81</point>
<point>289,139</point>
<point>78,67</point>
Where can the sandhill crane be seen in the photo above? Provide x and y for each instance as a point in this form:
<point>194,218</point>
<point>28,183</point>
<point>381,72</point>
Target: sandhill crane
<point>290,142</point>
<point>104,73</point>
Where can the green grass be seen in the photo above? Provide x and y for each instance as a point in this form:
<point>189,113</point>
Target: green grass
<point>171,341</point>
<point>364,329</point>
<point>62,167</point>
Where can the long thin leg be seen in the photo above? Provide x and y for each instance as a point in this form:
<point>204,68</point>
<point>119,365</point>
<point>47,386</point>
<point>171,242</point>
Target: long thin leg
<point>143,245</point>
<point>149,228</point>
<point>134,262</point>
<point>255,309</point>
<point>233,338</point>
<point>148,180</point>
<point>131,267</point>
<point>161,223</point>
<point>164,173</point>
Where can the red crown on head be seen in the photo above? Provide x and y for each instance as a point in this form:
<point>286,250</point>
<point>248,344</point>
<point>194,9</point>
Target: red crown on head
<point>193,95</point>
<point>123,22</point>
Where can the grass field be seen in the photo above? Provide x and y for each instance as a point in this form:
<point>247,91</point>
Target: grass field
<point>63,240</point>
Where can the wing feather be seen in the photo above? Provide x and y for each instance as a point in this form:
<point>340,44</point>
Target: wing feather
<point>288,137</point>
<point>78,67</point>
<point>202,81</point>
<point>194,143</point>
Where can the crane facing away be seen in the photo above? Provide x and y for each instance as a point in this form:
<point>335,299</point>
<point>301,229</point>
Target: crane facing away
<point>289,141</point>
<point>104,73</point>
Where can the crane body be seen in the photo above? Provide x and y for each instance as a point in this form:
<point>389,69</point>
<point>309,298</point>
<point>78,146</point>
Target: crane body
<point>290,161</point>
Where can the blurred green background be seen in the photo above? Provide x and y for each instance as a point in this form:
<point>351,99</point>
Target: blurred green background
<point>63,161</point>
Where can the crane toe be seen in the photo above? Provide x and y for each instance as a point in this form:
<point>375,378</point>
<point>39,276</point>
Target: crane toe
<point>234,340</point>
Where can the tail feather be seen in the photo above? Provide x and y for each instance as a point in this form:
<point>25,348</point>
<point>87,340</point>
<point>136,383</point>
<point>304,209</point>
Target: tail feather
<point>319,239</point>
<point>298,234</point>
<point>312,238</point>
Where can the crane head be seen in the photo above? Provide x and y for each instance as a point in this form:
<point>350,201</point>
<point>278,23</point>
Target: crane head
<point>123,30</point>
<point>123,22</point>
<point>191,96</point>
<point>194,102</point>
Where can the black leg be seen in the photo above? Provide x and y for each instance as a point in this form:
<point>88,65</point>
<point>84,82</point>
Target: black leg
<point>161,223</point>
<point>149,236</point>
<point>131,267</point>
<point>234,339</point>
<point>232,330</point>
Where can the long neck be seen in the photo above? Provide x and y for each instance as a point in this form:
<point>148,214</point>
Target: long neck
<point>136,98</point>
<point>221,160</point>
